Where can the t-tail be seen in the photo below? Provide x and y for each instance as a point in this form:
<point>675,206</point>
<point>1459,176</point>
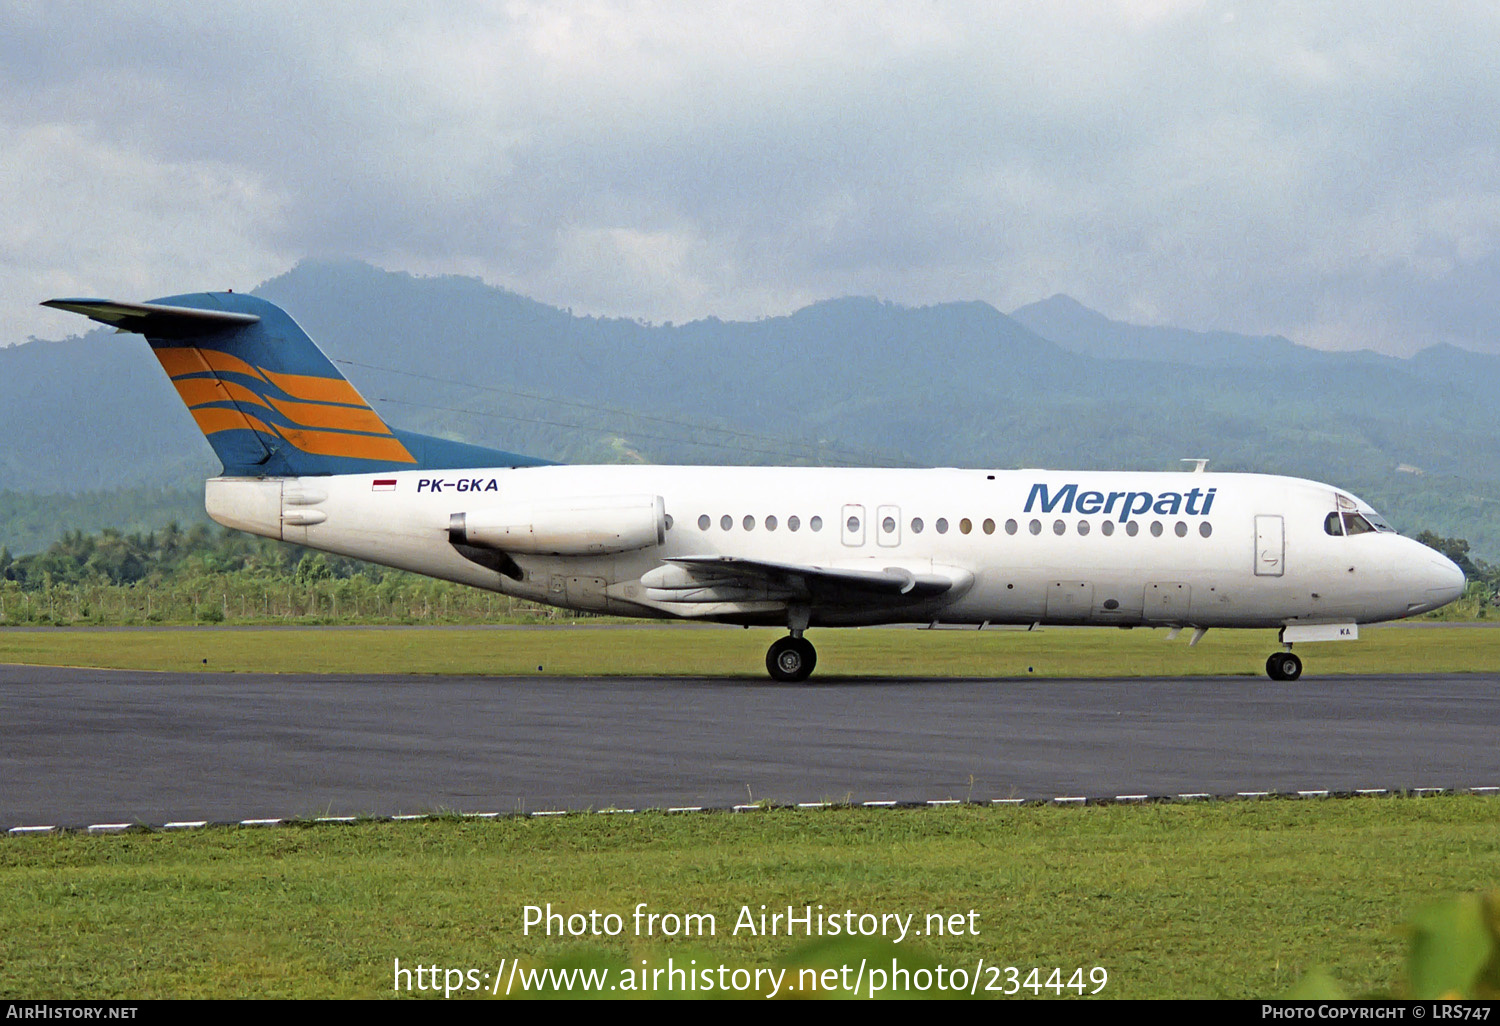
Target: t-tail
<point>266,398</point>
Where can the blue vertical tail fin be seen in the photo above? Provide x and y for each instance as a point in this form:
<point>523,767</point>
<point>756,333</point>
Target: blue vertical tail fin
<point>264,395</point>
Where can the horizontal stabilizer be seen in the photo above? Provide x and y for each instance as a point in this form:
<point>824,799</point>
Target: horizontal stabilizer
<point>153,319</point>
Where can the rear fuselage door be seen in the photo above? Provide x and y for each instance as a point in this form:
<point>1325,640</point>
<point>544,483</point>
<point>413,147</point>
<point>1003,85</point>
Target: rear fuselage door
<point>1270,547</point>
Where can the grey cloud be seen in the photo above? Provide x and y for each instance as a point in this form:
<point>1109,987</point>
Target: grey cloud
<point>1259,167</point>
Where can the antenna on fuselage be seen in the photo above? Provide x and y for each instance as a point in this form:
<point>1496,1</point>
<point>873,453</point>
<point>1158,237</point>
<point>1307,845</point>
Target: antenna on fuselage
<point>1200,465</point>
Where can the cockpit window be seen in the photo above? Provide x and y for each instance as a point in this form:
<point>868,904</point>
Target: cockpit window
<point>1350,518</point>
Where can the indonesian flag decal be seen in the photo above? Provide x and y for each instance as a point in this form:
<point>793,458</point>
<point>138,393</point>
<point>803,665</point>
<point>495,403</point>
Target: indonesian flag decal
<point>383,484</point>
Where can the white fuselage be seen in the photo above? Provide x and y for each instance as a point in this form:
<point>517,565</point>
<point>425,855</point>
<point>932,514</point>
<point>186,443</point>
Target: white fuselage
<point>1019,546</point>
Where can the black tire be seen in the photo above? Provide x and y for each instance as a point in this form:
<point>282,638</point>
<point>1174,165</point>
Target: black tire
<point>791,660</point>
<point>1283,666</point>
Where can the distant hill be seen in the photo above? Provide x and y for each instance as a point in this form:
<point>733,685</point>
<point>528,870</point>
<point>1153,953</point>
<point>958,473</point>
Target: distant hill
<point>29,521</point>
<point>1078,329</point>
<point>843,381</point>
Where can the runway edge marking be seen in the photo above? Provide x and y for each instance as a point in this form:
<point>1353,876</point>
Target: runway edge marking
<point>1065,801</point>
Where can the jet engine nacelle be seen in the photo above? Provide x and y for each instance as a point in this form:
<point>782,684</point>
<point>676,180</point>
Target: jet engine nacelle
<point>583,526</point>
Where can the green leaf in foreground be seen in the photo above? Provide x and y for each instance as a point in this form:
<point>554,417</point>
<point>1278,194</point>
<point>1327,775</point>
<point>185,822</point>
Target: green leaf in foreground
<point>1455,949</point>
<point>1453,954</point>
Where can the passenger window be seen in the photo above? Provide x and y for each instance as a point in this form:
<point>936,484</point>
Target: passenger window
<point>669,521</point>
<point>1332,525</point>
<point>1011,527</point>
<point>1205,529</point>
<point>1108,527</point>
<point>1083,527</point>
<point>703,522</point>
<point>853,524</point>
<point>1156,528</point>
<point>1132,528</point>
<point>1356,524</point>
<point>1181,529</point>
<point>888,525</point>
<point>1035,527</point>
<point>793,522</point>
<point>1058,527</point>
<point>942,525</point>
<point>989,526</point>
<point>726,521</point>
<point>916,525</point>
<point>771,523</point>
<point>749,523</point>
<point>965,526</point>
<point>816,523</point>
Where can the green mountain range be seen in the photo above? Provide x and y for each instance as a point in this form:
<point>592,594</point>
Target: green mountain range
<point>846,381</point>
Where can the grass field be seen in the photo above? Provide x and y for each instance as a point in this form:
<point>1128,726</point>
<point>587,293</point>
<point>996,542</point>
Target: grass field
<point>687,650</point>
<point>1235,899</point>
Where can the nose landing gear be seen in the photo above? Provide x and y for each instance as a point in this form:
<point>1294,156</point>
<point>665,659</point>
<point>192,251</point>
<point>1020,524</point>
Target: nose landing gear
<point>791,659</point>
<point>1283,666</point>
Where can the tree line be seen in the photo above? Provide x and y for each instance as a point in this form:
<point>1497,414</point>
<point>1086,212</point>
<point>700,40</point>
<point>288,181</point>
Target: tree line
<point>207,575</point>
<point>1457,549</point>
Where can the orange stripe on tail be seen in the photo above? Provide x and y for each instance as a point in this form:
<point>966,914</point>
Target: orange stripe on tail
<point>224,362</point>
<point>340,418</point>
<point>360,447</point>
<point>180,360</point>
<point>214,419</point>
<point>313,389</point>
<point>197,391</point>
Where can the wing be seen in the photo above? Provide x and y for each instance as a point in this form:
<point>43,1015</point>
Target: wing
<point>724,581</point>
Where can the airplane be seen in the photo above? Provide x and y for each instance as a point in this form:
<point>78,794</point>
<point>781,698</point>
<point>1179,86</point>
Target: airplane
<point>307,460</point>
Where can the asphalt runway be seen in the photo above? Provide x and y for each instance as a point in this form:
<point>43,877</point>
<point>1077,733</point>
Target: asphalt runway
<point>97,746</point>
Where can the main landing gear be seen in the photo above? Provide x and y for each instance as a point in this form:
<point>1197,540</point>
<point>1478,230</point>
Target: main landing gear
<point>792,659</point>
<point>1283,666</point>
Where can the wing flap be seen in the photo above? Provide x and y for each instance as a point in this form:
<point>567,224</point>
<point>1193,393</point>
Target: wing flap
<point>819,584</point>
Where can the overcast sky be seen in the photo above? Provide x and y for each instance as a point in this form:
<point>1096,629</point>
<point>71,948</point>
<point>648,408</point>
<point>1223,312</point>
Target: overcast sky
<point>1323,170</point>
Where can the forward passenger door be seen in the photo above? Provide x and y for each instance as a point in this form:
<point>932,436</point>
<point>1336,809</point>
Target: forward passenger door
<point>1270,546</point>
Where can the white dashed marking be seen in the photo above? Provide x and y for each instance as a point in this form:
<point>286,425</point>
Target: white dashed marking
<point>118,828</point>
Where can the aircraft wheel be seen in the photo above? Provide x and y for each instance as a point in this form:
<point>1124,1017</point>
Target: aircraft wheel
<point>791,659</point>
<point>1283,666</point>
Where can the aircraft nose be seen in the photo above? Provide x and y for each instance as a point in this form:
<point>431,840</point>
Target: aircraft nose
<point>1444,580</point>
